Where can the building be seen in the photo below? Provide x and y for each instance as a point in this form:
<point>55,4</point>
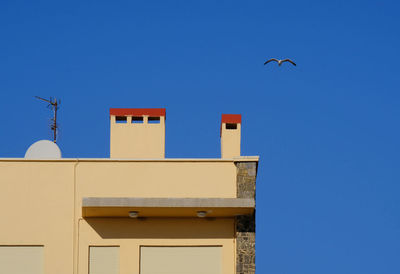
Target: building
<point>135,212</point>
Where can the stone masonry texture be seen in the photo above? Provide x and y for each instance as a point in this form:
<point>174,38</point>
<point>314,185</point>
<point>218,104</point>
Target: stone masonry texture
<point>245,224</point>
<point>246,179</point>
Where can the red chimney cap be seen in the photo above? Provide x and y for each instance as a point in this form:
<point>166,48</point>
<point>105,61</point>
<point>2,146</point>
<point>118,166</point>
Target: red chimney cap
<point>231,118</point>
<point>137,111</point>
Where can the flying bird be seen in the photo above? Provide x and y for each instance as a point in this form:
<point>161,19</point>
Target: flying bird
<point>280,61</point>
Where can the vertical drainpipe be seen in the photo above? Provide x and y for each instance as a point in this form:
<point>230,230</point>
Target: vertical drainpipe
<point>75,232</point>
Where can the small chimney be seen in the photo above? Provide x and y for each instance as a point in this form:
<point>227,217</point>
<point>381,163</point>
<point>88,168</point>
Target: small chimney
<point>137,133</point>
<point>230,135</point>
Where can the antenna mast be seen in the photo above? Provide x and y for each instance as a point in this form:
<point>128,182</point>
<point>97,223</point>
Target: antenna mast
<point>54,106</point>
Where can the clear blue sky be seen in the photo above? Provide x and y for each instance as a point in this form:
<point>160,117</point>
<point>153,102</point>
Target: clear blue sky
<point>327,130</point>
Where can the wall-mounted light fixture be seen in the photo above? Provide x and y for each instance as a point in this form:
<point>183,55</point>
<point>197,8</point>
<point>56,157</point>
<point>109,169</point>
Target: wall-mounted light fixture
<point>133,214</point>
<point>201,214</point>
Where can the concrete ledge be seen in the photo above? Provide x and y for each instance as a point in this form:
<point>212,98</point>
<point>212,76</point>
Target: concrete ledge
<point>166,207</point>
<point>168,202</point>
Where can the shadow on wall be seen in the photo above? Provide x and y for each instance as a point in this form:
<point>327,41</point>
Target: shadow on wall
<point>157,228</point>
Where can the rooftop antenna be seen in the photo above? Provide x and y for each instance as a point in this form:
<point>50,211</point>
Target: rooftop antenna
<point>54,106</point>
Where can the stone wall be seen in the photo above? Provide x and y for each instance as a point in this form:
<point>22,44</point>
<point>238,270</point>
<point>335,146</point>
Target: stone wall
<point>245,225</point>
<point>246,179</point>
<point>245,245</point>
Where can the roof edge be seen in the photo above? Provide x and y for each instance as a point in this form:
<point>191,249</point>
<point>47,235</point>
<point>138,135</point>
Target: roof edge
<point>235,159</point>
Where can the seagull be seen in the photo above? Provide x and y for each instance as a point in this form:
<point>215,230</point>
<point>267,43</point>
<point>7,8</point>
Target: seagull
<point>280,61</point>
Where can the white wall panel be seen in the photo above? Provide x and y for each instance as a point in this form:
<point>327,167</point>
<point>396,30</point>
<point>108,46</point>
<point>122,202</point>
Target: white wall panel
<point>21,259</point>
<point>104,260</point>
<point>180,260</point>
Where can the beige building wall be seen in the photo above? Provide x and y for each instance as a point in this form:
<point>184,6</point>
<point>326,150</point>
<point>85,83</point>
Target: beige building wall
<point>41,204</point>
<point>178,179</point>
<point>169,179</point>
<point>37,208</point>
<point>131,234</point>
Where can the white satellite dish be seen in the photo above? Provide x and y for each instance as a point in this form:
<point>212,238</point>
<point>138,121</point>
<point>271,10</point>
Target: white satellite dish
<point>43,149</point>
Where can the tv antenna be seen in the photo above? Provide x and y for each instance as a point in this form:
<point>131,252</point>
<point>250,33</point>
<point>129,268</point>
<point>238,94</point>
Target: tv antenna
<point>54,106</point>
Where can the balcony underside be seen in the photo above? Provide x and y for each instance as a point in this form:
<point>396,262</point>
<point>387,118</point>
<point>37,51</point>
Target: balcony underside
<point>166,207</point>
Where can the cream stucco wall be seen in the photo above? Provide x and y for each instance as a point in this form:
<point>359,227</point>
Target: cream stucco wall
<point>40,204</point>
<point>130,234</point>
<point>37,208</point>
<point>156,179</point>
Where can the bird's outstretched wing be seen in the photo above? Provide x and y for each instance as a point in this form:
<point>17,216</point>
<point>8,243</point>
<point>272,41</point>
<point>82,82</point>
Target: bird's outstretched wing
<point>290,61</point>
<point>270,60</point>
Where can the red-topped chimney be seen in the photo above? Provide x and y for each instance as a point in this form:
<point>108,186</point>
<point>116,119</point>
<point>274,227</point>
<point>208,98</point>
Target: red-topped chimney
<point>137,133</point>
<point>230,135</point>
